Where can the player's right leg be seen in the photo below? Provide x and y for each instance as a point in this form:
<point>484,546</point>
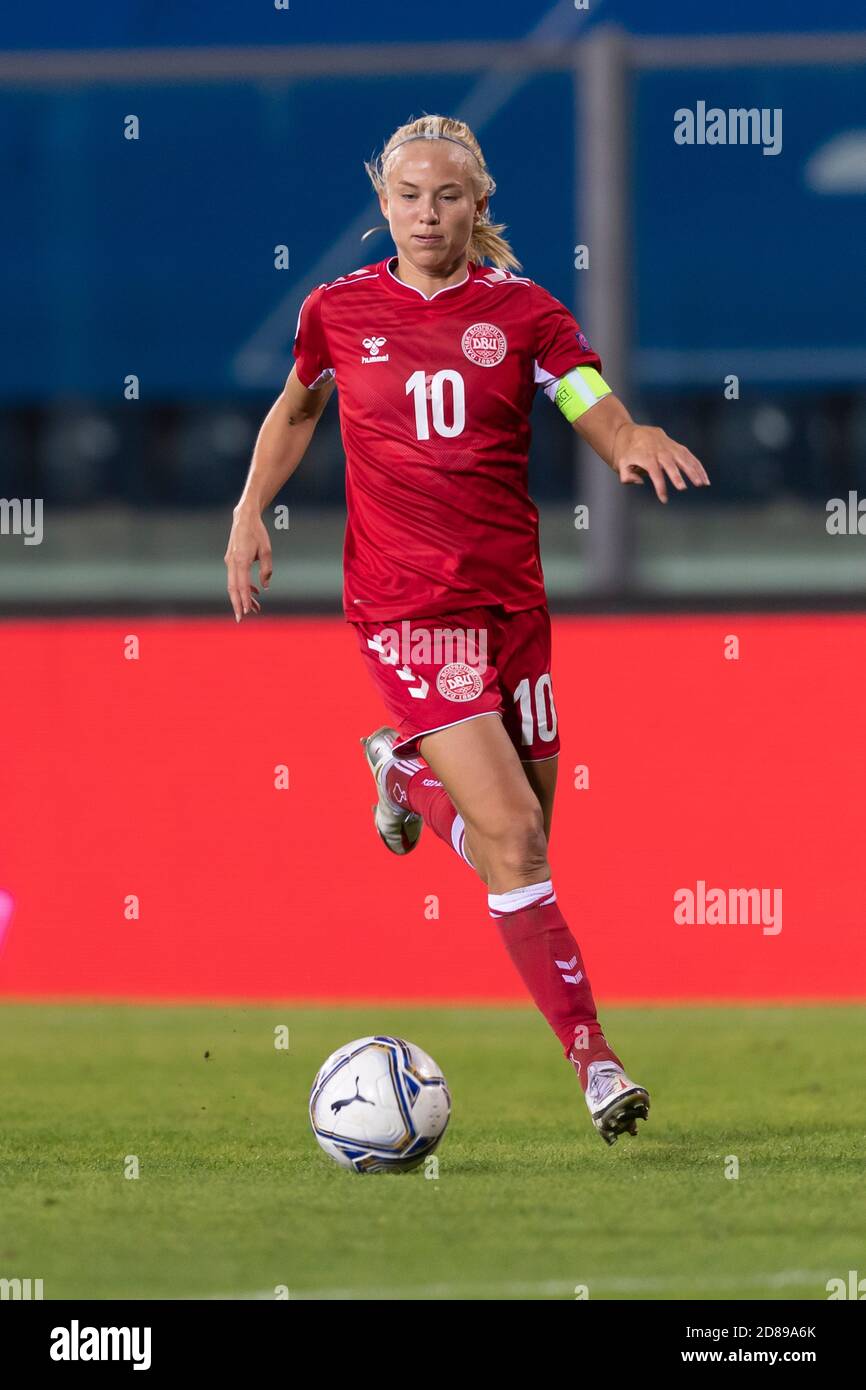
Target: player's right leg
<point>418,666</point>
<point>399,827</point>
<point>479,768</point>
<point>410,795</point>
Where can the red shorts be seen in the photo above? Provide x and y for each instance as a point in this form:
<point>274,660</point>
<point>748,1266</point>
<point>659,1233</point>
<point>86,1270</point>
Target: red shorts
<point>434,672</point>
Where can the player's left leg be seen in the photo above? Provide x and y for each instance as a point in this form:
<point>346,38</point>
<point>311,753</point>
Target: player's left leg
<point>541,776</point>
<point>485,785</point>
<point>524,655</point>
<point>478,765</point>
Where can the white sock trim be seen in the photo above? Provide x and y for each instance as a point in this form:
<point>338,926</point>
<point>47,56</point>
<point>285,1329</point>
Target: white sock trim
<point>456,831</point>
<point>458,840</point>
<point>530,895</point>
<point>409,766</point>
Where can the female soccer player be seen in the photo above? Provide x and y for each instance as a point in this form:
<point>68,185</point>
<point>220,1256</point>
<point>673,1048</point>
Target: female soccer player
<point>437,352</point>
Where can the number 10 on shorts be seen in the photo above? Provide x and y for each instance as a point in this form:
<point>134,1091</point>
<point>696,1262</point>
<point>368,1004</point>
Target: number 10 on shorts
<point>530,719</point>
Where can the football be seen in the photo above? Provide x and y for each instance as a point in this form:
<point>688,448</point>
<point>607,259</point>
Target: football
<point>379,1105</point>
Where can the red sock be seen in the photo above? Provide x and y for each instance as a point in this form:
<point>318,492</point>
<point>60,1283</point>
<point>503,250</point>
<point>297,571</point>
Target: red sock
<point>410,782</point>
<point>548,959</point>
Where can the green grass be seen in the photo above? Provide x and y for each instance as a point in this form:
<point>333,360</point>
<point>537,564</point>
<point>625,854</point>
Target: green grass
<point>234,1196</point>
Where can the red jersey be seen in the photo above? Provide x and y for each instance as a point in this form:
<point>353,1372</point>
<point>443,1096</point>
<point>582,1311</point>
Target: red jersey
<point>434,399</point>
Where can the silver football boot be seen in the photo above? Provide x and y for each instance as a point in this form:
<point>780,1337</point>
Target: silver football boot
<point>615,1103</point>
<point>398,829</point>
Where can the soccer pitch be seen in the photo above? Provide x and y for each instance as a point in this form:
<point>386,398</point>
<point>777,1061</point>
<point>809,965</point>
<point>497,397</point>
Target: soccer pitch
<point>234,1199</point>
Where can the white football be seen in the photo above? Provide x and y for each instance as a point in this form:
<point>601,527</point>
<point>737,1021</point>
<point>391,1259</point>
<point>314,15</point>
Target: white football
<point>379,1105</point>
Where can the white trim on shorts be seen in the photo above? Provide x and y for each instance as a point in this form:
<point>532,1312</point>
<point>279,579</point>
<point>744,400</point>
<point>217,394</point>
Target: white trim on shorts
<point>450,725</point>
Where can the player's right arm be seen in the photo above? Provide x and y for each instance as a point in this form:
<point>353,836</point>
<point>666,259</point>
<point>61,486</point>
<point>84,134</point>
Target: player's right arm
<point>282,442</point>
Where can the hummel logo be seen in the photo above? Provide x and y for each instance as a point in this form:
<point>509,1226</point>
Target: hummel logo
<point>569,965</point>
<point>373,346</point>
<point>418,692</point>
<point>390,658</point>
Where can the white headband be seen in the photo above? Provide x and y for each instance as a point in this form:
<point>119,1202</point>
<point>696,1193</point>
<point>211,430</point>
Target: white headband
<point>452,138</point>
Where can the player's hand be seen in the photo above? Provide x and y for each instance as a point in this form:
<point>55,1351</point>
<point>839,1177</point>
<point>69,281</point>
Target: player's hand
<point>249,541</point>
<point>645,451</point>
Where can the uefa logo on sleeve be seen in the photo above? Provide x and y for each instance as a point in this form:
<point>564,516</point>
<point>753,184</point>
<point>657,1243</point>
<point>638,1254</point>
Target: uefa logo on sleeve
<point>484,344</point>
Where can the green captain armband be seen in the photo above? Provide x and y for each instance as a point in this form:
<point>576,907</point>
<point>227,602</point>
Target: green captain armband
<point>578,390</point>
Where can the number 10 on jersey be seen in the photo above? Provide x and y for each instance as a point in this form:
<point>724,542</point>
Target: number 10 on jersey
<point>429,393</point>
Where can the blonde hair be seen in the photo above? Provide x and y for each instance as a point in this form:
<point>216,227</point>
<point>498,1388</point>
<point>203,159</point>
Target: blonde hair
<point>487,241</point>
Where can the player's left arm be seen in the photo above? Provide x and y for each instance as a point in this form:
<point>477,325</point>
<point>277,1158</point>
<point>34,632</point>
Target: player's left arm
<point>633,451</point>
